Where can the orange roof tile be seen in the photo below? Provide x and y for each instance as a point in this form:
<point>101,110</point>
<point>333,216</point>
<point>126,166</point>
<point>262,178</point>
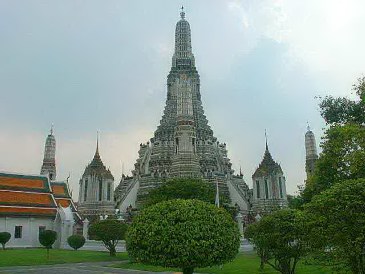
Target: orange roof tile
<point>32,195</point>
<point>63,202</point>
<point>28,183</point>
<point>27,211</point>
<point>24,182</point>
<point>25,198</point>
<point>58,189</point>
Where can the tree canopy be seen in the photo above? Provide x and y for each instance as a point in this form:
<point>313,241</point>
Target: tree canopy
<point>342,158</point>
<point>337,223</point>
<point>343,144</point>
<point>109,231</point>
<point>343,110</point>
<point>181,188</point>
<point>76,241</point>
<point>47,238</point>
<point>280,239</point>
<point>184,234</point>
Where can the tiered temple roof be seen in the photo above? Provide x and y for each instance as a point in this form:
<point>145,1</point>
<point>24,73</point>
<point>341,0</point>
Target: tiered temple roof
<point>96,167</point>
<point>33,196</point>
<point>26,195</point>
<point>267,166</point>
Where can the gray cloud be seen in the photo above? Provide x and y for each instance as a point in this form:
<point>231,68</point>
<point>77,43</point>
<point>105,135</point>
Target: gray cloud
<point>92,65</point>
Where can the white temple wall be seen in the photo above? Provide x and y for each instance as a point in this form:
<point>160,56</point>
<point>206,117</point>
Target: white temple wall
<point>29,230</point>
<point>236,197</point>
<point>130,199</point>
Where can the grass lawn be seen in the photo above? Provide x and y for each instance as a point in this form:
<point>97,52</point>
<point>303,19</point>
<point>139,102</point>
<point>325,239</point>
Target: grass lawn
<point>244,263</point>
<point>38,256</point>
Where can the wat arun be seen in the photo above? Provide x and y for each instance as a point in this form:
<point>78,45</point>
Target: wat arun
<point>183,144</point>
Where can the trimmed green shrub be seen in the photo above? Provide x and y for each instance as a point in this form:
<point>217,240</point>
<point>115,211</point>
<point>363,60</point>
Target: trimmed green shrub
<point>76,241</point>
<point>47,239</point>
<point>4,238</point>
<point>184,234</point>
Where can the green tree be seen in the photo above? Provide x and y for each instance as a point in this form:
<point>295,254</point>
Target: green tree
<point>295,202</point>
<point>254,234</point>
<point>181,188</point>
<point>342,158</point>
<point>76,241</point>
<point>336,111</point>
<point>336,219</point>
<point>184,234</point>
<point>109,231</point>
<point>280,239</point>
<point>343,145</point>
<point>47,238</point>
<point>4,238</point>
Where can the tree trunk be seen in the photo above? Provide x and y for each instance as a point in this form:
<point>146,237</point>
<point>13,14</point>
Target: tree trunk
<point>112,251</point>
<point>188,270</point>
<point>47,253</point>
<point>3,246</point>
<point>262,264</point>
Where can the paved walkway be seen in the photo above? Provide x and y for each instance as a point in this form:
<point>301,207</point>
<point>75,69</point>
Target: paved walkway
<point>77,268</point>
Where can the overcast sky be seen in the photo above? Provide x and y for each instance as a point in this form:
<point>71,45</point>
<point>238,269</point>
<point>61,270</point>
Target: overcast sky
<point>102,65</point>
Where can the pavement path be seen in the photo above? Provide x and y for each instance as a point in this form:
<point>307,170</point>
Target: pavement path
<point>76,268</point>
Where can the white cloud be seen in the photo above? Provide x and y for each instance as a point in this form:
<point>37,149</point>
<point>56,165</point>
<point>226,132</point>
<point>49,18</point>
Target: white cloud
<point>325,35</point>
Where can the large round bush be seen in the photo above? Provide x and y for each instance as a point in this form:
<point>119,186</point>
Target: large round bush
<point>184,234</point>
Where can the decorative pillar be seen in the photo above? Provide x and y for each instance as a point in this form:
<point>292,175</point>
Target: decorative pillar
<point>85,229</point>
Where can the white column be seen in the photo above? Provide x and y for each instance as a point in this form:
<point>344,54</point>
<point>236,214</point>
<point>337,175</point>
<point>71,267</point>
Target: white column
<point>239,222</point>
<point>85,228</point>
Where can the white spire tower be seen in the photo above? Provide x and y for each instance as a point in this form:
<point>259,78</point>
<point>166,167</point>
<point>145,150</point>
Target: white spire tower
<point>49,160</point>
<point>310,151</point>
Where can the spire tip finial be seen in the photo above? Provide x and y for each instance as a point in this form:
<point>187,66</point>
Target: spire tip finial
<point>97,142</point>
<point>267,147</point>
<point>182,13</point>
<point>308,127</point>
<point>51,129</point>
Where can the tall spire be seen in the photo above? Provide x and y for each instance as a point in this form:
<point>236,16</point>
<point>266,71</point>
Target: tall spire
<point>183,57</point>
<point>49,160</point>
<point>310,151</point>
